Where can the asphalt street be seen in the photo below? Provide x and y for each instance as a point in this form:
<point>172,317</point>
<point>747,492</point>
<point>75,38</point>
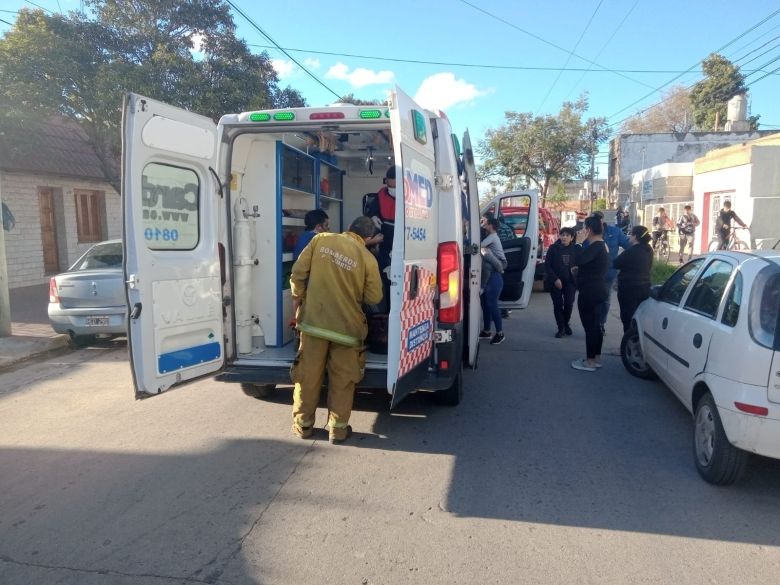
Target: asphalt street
<point>542,475</point>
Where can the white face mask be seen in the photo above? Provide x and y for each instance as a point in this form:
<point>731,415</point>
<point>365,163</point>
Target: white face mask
<point>391,191</point>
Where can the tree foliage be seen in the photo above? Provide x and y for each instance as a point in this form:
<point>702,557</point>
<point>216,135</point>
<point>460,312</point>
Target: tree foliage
<point>709,97</point>
<point>541,149</point>
<point>80,65</point>
<point>673,113</point>
<point>351,99</point>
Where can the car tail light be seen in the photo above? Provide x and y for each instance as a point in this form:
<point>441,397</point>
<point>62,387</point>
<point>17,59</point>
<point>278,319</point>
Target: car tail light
<point>752,409</point>
<point>450,283</point>
<point>54,296</point>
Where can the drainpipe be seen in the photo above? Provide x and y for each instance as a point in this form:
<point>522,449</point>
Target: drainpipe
<point>5,301</point>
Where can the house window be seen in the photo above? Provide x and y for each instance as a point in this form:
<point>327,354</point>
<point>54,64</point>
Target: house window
<point>90,216</point>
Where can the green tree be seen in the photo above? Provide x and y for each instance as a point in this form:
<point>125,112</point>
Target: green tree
<point>673,113</point>
<point>542,149</point>
<point>709,97</point>
<point>80,65</point>
<point>351,99</point>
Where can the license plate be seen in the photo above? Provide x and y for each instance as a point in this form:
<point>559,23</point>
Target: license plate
<point>443,336</point>
<point>96,321</point>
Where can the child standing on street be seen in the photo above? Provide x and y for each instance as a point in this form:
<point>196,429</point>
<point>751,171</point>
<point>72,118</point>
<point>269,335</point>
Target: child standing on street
<point>559,279</point>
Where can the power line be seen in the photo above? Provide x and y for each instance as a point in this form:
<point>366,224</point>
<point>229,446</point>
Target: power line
<point>604,46</point>
<point>731,42</point>
<point>39,6</point>
<point>272,41</point>
<point>757,48</point>
<point>546,42</point>
<point>764,76</point>
<point>472,65</point>
<point>568,57</point>
<point>761,55</point>
<point>6,22</point>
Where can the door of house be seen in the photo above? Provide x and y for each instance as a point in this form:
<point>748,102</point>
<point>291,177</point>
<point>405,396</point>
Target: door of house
<point>51,258</point>
<point>713,202</point>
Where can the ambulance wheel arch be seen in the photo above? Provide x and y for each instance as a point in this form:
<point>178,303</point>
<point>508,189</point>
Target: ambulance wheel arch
<point>171,264</point>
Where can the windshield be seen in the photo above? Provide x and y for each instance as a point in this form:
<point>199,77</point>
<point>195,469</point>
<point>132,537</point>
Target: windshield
<point>100,256</point>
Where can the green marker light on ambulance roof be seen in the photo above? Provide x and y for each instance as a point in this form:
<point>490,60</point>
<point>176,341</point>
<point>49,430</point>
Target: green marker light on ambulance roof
<point>284,116</point>
<point>259,117</point>
<point>370,114</point>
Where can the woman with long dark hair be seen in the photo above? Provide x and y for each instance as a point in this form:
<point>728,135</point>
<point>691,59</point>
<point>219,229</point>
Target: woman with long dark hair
<point>634,278</point>
<point>592,263</point>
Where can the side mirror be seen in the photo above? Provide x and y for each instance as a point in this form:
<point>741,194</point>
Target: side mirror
<point>655,291</point>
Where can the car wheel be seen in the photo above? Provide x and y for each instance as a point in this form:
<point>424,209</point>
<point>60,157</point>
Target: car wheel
<point>718,461</point>
<point>632,356</point>
<point>452,395</point>
<point>258,391</point>
<point>79,341</point>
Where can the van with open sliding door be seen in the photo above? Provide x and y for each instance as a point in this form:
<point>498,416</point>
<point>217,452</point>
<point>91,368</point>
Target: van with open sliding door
<point>519,210</point>
<point>212,214</point>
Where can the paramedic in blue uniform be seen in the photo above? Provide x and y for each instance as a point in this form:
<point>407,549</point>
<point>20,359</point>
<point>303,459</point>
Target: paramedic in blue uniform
<point>316,222</point>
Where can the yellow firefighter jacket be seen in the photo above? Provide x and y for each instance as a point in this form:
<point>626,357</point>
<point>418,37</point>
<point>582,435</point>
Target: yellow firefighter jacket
<point>334,275</point>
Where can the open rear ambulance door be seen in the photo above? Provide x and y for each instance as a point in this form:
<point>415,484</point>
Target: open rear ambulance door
<point>413,268</point>
<point>520,252</point>
<point>171,263</point>
<point>471,248</point>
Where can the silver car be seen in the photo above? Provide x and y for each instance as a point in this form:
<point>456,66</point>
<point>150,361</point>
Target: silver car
<point>88,301</point>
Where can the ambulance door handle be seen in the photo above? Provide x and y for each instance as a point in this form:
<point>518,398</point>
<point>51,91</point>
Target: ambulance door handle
<point>136,311</point>
<point>414,282</point>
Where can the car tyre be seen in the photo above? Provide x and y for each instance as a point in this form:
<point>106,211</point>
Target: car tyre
<point>452,395</point>
<point>718,461</point>
<point>632,357</point>
<point>258,391</point>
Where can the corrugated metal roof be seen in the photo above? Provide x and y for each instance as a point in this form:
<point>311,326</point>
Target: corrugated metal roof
<point>58,147</point>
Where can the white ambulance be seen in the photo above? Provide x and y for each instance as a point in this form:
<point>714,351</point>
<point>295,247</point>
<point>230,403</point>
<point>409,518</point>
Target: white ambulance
<point>212,214</point>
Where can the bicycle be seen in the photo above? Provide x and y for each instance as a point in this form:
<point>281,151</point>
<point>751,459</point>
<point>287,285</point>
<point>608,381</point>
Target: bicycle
<point>733,243</point>
<point>661,246</point>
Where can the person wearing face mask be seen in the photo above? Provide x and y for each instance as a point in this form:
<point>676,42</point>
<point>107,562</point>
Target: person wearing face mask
<point>382,212</point>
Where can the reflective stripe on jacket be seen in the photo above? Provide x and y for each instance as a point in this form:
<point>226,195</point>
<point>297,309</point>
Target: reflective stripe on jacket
<point>333,277</point>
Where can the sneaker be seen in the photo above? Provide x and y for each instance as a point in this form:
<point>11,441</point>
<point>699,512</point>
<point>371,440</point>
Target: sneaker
<point>338,436</point>
<point>497,338</point>
<point>302,432</point>
<point>559,334</point>
<point>567,330</point>
<point>485,334</point>
<point>581,365</point>
<point>505,313</point>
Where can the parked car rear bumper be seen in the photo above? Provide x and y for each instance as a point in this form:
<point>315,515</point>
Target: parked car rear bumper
<point>750,432</point>
<point>74,320</point>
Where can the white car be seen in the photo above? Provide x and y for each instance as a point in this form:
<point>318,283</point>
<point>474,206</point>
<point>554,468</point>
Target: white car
<point>711,333</point>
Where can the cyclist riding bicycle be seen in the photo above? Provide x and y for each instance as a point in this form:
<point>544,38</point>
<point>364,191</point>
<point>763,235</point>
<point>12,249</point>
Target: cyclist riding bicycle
<point>662,224</point>
<point>723,224</point>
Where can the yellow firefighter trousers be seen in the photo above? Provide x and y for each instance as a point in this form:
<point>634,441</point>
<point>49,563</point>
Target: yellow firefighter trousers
<point>345,369</point>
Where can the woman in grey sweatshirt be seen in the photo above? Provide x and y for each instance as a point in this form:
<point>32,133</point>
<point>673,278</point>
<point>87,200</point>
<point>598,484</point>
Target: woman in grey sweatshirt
<point>492,282</point>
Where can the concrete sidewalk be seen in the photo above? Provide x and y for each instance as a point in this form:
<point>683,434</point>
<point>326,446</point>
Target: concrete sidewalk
<point>31,334</point>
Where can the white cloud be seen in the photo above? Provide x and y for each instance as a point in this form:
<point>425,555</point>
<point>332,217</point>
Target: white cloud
<point>283,67</point>
<point>442,91</point>
<point>360,77</point>
<point>312,63</point>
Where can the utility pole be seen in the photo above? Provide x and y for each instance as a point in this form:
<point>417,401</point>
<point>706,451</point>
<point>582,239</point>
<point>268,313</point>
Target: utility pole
<point>592,194</point>
<point>5,301</point>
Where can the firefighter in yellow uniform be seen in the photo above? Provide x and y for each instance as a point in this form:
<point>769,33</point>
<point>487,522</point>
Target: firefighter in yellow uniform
<point>333,277</point>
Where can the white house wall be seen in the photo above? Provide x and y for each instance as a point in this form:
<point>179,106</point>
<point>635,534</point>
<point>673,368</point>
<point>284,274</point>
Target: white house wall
<point>24,244</point>
<point>734,181</point>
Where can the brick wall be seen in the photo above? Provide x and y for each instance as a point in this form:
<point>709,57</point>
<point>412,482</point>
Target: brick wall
<point>24,247</point>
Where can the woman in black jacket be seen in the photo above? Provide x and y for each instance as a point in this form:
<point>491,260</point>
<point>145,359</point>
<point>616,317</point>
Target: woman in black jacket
<point>634,278</point>
<point>592,263</point>
<point>559,279</point>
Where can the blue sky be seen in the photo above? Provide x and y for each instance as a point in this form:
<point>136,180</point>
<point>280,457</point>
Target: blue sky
<point>344,43</point>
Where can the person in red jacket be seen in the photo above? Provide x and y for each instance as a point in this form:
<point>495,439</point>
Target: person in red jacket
<point>382,212</point>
